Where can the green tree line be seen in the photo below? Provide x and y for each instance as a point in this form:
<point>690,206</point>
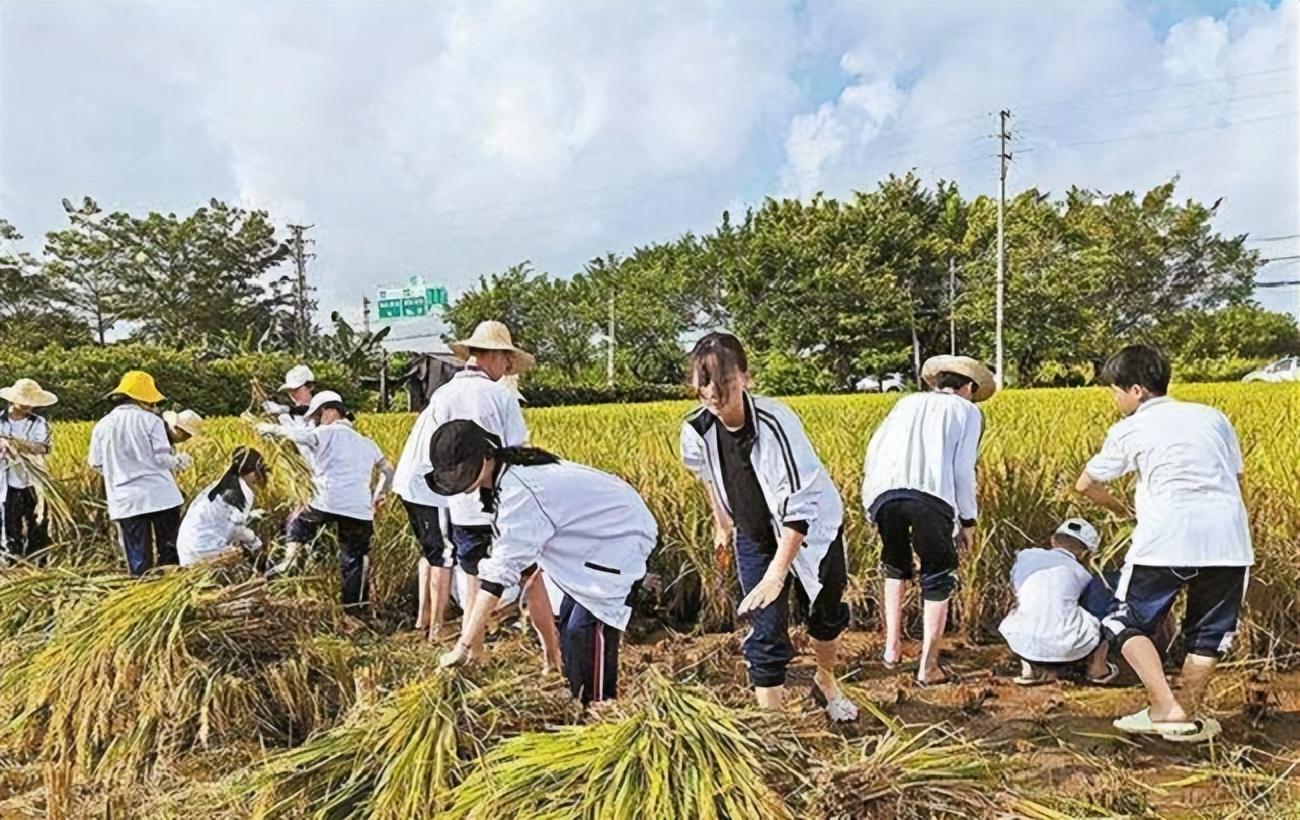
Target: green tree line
<point>828,290</point>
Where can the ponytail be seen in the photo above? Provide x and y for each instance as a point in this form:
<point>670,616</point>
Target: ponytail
<point>506,457</point>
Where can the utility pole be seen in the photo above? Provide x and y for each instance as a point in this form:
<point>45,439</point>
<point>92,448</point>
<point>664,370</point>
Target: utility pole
<point>365,313</point>
<point>952,306</point>
<point>1003,158</point>
<point>609,351</point>
<point>301,319</point>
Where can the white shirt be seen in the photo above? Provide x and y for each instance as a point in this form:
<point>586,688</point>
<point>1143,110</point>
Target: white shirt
<point>33,429</point>
<point>472,396</point>
<point>929,442</point>
<point>343,468</point>
<point>588,530</point>
<point>414,465</point>
<point>1048,624</point>
<point>1188,497</point>
<point>211,526</point>
<point>129,447</point>
<point>795,485</point>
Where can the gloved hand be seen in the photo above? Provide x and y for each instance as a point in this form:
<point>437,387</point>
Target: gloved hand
<point>266,429</point>
<point>184,461</point>
<point>256,515</point>
<point>274,408</point>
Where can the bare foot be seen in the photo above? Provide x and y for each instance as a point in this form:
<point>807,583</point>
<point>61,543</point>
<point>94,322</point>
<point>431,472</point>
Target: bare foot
<point>1172,714</point>
<point>828,684</point>
<point>893,655</point>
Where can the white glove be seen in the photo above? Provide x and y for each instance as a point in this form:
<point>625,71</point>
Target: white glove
<point>266,429</point>
<point>255,545</point>
<point>274,408</point>
<point>256,515</point>
<point>184,461</point>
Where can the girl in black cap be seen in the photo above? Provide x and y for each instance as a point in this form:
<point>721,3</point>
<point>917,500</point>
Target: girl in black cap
<point>587,530</point>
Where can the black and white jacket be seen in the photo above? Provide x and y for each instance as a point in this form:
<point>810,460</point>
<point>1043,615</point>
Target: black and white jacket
<point>795,484</point>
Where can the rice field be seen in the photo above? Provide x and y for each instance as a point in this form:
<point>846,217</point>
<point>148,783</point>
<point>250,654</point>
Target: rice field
<point>209,692</point>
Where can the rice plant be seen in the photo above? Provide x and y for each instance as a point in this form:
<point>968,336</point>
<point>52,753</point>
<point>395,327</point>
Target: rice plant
<point>669,751</point>
<point>401,757</point>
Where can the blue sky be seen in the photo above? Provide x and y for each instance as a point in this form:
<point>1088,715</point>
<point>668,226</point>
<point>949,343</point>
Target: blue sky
<point>455,140</point>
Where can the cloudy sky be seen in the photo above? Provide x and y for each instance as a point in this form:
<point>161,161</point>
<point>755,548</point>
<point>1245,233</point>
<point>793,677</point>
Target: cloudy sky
<point>454,140</point>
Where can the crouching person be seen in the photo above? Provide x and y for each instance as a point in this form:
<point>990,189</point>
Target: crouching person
<point>218,517</point>
<point>769,492</point>
<point>1052,629</point>
<point>587,530</point>
<point>343,464</point>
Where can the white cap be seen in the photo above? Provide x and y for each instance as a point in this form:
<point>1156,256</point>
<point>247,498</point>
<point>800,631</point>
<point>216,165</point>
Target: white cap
<point>321,399</point>
<point>297,377</point>
<point>1082,531</point>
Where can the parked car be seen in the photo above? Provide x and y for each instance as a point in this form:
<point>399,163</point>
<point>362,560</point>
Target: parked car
<point>891,383</point>
<point>1282,370</point>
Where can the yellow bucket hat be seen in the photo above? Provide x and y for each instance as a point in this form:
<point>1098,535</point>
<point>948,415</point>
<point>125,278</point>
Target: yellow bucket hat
<point>138,385</point>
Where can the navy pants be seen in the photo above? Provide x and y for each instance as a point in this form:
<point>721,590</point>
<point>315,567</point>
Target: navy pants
<point>142,535</point>
<point>1214,599</point>
<point>427,523</point>
<point>25,534</point>
<point>472,545</point>
<point>589,652</point>
<point>767,648</point>
<point>354,536</point>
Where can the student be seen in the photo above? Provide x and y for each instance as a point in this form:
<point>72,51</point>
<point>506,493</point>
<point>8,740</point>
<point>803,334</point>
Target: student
<point>587,530</point>
<point>429,517</point>
<point>476,394</point>
<point>769,491</point>
<point>218,517</point>
<point>919,489</point>
<point>130,448</point>
<point>343,464</point>
<point>1192,533</point>
<point>1052,629</point>
<point>26,532</point>
<point>182,426</point>
<point>299,386</point>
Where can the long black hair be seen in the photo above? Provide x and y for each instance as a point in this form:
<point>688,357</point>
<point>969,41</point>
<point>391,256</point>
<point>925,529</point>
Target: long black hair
<point>457,451</point>
<point>242,460</point>
<point>506,457</point>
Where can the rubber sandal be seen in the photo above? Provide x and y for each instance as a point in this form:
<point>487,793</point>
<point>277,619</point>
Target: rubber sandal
<point>949,676</point>
<point>1206,729</point>
<point>1140,723</point>
<point>888,664</point>
<point>1112,672</point>
<point>839,710</point>
<point>1033,680</point>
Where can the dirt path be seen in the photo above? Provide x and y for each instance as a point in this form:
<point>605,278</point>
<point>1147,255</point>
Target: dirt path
<point>1058,736</point>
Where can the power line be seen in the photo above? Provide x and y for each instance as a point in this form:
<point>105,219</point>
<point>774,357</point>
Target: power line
<point>1275,238</point>
<point>1145,134</point>
<point>1153,89</point>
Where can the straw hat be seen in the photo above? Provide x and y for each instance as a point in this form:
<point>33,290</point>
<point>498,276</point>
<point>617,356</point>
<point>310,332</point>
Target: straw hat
<point>297,377</point>
<point>28,393</point>
<point>985,384</point>
<point>186,420</point>
<point>492,335</point>
<point>138,385</point>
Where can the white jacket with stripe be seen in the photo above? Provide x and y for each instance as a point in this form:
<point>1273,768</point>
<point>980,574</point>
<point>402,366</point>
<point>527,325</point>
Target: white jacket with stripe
<point>795,484</point>
<point>588,530</point>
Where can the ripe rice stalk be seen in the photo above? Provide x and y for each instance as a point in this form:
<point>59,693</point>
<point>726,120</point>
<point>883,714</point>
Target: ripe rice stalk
<point>669,751</point>
<point>52,505</point>
<point>31,596</point>
<point>400,758</point>
<point>143,672</point>
<point>903,772</point>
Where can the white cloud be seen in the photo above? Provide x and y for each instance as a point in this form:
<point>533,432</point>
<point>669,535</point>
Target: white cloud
<point>453,140</point>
